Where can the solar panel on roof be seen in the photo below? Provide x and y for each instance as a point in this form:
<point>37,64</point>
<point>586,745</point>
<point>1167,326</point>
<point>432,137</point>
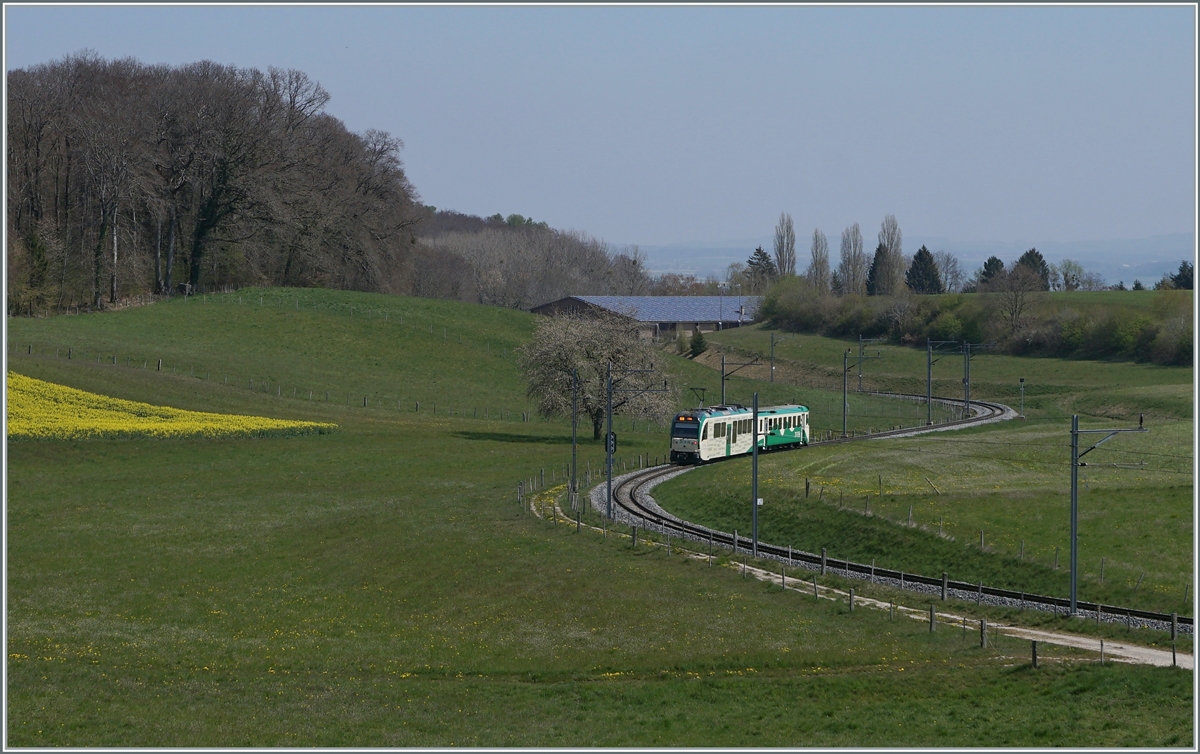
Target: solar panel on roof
<point>679,308</point>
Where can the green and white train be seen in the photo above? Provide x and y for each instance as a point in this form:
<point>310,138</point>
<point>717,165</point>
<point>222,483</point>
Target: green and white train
<point>708,434</point>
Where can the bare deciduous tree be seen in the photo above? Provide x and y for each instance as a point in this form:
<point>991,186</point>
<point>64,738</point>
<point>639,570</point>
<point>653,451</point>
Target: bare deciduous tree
<point>252,181</point>
<point>852,269</point>
<point>1014,292</point>
<point>785,246</point>
<point>890,271</point>
<point>901,309</point>
<point>629,276</point>
<point>818,268</point>
<point>1069,275</point>
<point>950,271</point>
<point>565,343</point>
<point>525,266</point>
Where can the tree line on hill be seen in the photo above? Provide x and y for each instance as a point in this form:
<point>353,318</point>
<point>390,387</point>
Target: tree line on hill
<point>895,296</point>
<point>888,271</point>
<point>518,263</point>
<point>1011,307</point>
<point>126,179</point>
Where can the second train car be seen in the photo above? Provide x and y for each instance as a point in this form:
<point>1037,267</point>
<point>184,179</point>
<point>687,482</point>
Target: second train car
<point>707,434</point>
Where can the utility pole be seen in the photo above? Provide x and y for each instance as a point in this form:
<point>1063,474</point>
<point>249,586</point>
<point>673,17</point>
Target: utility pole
<point>574,434</point>
<point>1075,464</point>
<point>845,385</point>
<point>610,439</point>
<point>967,373</point>
<point>608,449</point>
<point>773,342</point>
<point>754,473</point>
<point>930,346</point>
<point>1022,397</point>
<point>845,405</point>
<point>725,375</point>
<point>966,380</point>
<point>861,345</point>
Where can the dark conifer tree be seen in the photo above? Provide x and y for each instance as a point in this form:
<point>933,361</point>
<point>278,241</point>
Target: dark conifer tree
<point>1183,279</point>
<point>991,268</point>
<point>878,265</point>
<point>1034,260</point>
<point>922,276</point>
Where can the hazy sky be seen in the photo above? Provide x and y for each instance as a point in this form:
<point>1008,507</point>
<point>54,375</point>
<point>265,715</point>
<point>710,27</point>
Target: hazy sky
<point>654,125</point>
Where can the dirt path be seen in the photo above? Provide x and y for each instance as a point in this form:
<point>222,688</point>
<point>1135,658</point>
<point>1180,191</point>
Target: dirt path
<point>540,504</point>
<point>1112,650</point>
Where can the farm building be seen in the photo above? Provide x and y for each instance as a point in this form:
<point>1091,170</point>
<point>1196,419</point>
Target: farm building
<point>664,316</point>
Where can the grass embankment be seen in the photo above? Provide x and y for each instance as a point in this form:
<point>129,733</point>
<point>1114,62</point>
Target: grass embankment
<point>1011,481</point>
<point>379,586</point>
<point>310,347</point>
<point>1054,388</point>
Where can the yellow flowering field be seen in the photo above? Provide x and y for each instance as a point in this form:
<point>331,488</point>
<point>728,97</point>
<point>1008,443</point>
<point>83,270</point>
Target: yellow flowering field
<point>39,410</point>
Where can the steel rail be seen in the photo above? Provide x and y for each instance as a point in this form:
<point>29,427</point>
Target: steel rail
<point>627,491</point>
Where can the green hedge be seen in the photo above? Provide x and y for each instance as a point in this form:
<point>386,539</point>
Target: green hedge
<point>1149,326</point>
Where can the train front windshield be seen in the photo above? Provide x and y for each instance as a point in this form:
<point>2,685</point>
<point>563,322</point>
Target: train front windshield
<point>686,430</point>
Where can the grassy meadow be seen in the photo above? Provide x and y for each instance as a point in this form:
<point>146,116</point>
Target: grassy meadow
<point>1010,481</point>
<point>380,586</point>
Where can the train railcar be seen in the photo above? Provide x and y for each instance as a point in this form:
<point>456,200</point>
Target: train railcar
<point>707,434</point>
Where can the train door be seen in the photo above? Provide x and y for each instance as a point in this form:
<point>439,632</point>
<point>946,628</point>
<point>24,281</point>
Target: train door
<point>730,437</point>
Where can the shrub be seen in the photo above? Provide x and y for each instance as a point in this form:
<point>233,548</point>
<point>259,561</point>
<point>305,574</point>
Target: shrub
<point>699,345</point>
<point>1173,343</point>
<point>945,326</point>
<point>1070,333</point>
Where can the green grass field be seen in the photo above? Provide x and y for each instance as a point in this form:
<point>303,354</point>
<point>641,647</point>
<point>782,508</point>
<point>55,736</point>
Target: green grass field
<point>1010,480</point>
<point>1054,388</point>
<point>379,586</point>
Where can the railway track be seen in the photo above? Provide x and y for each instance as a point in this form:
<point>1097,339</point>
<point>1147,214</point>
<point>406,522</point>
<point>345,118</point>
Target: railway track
<point>635,506</point>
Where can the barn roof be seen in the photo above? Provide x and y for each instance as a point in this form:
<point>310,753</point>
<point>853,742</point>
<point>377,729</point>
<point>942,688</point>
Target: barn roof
<point>678,308</point>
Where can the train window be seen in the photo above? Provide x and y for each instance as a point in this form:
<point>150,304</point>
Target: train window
<point>685,429</point>
<point>704,433</point>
